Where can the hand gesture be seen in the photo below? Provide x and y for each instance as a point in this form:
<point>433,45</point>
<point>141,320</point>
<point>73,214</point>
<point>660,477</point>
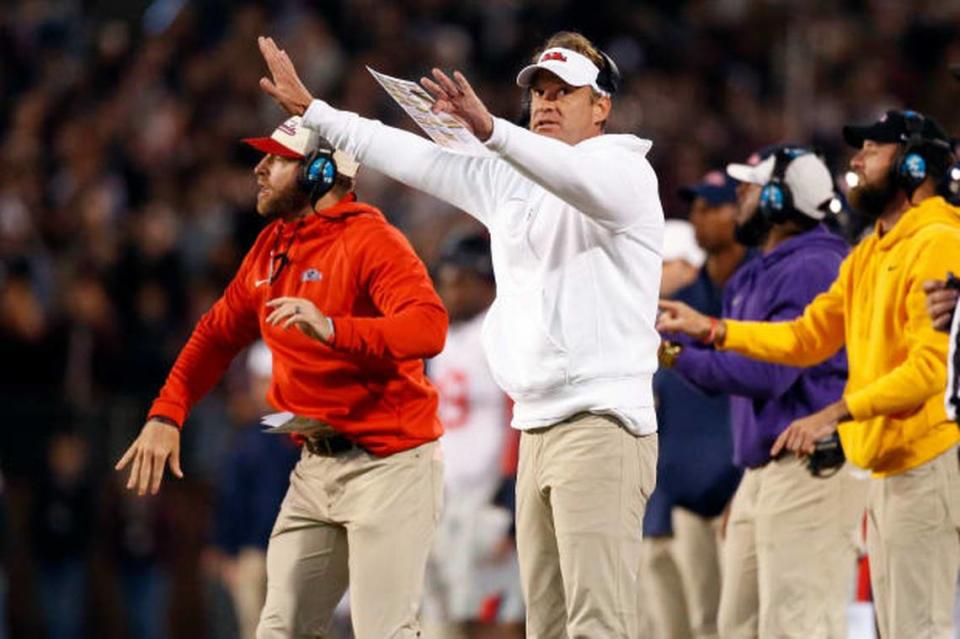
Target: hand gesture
<point>157,444</point>
<point>458,99</point>
<point>941,301</point>
<point>301,313</point>
<point>677,317</point>
<point>285,87</point>
<point>802,435</point>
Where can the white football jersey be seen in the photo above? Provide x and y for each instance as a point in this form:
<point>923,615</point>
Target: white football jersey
<point>474,411</point>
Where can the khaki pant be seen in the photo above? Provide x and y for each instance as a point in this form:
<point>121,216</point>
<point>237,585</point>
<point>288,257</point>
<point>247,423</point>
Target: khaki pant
<point>913,538</point>
<point>582,486</point>
<point>789,552</point>
<point>681,578</point>
<point>385,510</point>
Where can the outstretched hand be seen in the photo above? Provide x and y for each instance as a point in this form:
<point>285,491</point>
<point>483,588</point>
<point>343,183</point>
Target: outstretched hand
<point>284,85</point>
<point>677,317</point>
<point>457,98</point>
<point>157,445</point>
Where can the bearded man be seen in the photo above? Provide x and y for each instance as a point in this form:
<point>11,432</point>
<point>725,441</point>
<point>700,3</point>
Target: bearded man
<point>348,312</point>
<point>891,417</point>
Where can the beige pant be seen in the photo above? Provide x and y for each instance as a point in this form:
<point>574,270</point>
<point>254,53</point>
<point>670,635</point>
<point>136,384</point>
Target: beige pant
<point>582,486</point>
<point>789,552</point>
<point>385,510</point>
<point>681,578</point>
<point>913,538</point>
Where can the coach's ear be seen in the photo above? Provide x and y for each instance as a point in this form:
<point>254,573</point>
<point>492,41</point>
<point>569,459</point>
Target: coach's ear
<point>602,106</point>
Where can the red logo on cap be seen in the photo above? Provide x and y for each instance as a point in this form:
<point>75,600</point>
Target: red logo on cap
<point>290,128</point>
<point>553,55</point>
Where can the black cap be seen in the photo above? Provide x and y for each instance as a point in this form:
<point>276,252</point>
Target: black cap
<point>892,128</point>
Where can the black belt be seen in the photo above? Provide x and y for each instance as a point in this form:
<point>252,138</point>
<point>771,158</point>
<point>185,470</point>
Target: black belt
<point>329,445</point>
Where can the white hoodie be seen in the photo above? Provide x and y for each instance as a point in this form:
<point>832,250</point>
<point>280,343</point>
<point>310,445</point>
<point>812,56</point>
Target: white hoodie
<point>576,235</point>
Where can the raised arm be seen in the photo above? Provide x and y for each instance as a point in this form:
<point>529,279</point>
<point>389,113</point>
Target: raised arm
<point>467,182</point>
<point>610,181</point>
<point>732,374</point>
<point>809,339</point>
<point>612,184</point>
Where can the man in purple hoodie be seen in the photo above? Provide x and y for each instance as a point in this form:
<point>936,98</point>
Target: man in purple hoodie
<point>789,554</point>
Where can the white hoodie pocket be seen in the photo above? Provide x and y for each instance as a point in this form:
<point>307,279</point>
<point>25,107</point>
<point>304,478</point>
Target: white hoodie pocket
<point>523,359</point>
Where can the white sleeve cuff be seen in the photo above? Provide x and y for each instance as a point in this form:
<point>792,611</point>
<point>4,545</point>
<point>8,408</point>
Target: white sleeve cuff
<point>498,138</point>
<point>315,114</point>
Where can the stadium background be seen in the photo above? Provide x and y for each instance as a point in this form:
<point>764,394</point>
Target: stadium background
<point>126,202</point>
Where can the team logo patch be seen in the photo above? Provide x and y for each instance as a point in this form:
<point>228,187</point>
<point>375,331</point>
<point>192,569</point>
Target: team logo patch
<point>311,275</point>
<point>289,127</point>
<point>553,55</point>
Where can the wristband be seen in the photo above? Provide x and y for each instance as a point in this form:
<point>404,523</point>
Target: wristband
<point>712,335</point>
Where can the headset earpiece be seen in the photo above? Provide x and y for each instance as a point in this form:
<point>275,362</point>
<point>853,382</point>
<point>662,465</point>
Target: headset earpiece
<point>776,200</point>
<point>609,77</point>
<point>911,166</point>
<point>318,174</point>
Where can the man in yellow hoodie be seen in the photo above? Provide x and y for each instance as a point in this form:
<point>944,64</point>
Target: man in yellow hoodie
<point>891,417</point>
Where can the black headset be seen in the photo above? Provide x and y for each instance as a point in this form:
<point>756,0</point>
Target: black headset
<point>318,174</point>
<point>609,77</point>
<point>776,200</point>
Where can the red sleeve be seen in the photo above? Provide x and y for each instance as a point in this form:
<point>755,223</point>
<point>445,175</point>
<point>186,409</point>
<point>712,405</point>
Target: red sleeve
<point>413,324</point>
<point>221,333</point>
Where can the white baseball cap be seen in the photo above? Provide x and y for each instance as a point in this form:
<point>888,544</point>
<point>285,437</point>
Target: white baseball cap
<point>680,243</point>
<point>808,178</point>
<point>293,140</point>
<point>573,68</point>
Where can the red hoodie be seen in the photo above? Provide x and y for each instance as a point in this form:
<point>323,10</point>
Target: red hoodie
<point>369,383</point>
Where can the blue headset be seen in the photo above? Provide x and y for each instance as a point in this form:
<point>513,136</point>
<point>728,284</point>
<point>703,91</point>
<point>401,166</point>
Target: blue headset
<point>776,200</point>
<point>911,166</point>
<point>318,174</point>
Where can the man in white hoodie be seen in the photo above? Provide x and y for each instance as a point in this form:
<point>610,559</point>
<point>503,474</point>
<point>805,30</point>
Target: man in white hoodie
<point>576,229</point>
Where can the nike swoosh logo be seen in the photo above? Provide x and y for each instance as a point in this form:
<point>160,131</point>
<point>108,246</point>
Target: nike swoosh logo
<point>259,283</point>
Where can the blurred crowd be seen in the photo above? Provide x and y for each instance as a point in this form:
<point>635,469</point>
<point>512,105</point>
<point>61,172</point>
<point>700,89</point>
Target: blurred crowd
<point>126,203</point>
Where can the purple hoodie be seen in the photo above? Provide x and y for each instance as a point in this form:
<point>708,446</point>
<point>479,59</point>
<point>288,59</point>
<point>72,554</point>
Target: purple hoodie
<point>765,398</point>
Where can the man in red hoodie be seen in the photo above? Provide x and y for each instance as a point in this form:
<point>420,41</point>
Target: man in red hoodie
<point>349,313</point>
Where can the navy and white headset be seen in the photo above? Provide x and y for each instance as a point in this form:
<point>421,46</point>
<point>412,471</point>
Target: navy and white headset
<point>318,174</point>
<point>912,165</point>
<point>776,200</point>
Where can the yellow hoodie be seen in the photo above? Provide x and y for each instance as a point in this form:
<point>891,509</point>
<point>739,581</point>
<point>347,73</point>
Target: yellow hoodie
<point>897,361</point>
